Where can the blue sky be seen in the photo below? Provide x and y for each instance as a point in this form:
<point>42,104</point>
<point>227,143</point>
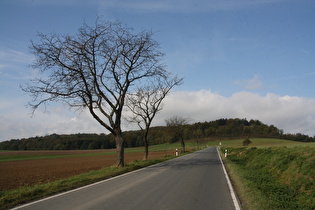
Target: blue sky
<point>246,59</point>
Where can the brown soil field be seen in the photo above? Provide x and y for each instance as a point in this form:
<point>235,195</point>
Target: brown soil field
<point>55,152</point>
<point>14,174</point>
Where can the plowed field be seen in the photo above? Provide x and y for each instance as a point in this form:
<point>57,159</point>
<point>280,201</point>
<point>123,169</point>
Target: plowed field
<point>14,174</point>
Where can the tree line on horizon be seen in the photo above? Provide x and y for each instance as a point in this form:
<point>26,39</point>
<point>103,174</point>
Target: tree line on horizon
<point>221,128</point>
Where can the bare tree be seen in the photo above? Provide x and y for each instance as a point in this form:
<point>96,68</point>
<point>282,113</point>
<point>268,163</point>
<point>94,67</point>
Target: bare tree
<point>146,103</point>
<point>95,69</point>
<point>176,124</point>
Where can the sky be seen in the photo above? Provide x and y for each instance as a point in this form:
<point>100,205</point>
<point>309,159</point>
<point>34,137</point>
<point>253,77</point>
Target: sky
<point>252,59</point>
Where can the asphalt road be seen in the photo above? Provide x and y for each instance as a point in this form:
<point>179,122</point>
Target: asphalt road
<point>194,181</point>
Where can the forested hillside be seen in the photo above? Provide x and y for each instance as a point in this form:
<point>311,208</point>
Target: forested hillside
<point>222,128</point>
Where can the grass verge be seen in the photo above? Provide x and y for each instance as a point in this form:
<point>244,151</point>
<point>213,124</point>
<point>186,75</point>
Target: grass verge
<point>273,178</point>
<point>9,199</point>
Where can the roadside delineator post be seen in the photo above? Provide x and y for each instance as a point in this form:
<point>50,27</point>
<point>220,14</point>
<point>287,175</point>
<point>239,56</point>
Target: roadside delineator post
<point>176,152</point>
<point>226,152</point>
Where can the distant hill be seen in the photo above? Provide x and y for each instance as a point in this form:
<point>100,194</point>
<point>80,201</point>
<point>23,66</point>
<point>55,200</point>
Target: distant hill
<point>221,128</point>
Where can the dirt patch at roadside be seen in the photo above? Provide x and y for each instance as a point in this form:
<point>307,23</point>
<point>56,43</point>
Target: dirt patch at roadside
<point>14,174</point>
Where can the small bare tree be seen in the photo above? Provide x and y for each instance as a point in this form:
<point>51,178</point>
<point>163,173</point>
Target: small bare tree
<point>95,69</point>
<point>176,124</point>
<point>146,103</point>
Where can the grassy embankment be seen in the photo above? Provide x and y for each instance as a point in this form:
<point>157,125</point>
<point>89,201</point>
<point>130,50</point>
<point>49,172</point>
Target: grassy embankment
<point>273,174</point>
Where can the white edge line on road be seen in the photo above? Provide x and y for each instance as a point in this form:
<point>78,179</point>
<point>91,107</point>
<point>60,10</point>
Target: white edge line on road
<point>236,204</point>
<point>81,188</point>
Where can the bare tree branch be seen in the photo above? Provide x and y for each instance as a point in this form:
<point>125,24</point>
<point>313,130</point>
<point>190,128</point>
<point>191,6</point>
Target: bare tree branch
<point>95,69</point>
<point>146,103</point>
<point>176,124</point>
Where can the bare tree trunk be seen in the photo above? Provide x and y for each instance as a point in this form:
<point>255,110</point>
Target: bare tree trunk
<point>183,145</point>
<point>146,150</point>
<point>120,150</point>
<point>146,144</point>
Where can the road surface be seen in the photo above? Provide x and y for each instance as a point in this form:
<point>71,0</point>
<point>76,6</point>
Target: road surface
<point>194,181</point>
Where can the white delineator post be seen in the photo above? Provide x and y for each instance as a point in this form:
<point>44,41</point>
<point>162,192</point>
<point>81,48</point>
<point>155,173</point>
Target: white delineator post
<point>176,152</point>
<point>226,152</point>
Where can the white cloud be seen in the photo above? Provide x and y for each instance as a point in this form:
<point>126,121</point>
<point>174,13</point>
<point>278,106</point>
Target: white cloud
<point>292,114</point>
<point>17,122</point>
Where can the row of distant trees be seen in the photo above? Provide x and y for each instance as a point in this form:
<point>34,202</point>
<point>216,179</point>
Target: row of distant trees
<point>175,131</point>
<point>60,142</point>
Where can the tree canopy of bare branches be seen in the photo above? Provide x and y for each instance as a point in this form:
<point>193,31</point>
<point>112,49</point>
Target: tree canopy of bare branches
<point>176,124</point>
<point>146,103</point>
<point>95,69</point>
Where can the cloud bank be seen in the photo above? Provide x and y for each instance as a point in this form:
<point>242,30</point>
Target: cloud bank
<point>292,114</point>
